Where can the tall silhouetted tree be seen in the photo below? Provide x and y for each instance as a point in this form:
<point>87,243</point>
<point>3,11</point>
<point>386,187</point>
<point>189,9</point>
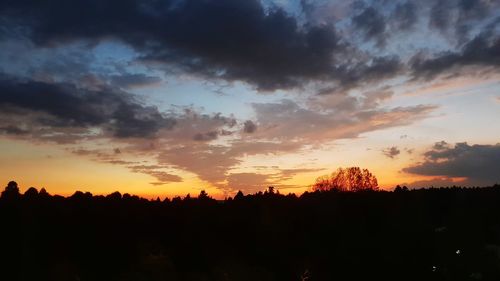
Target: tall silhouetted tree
<point>348,179</point>
<point>11,191</point>
<point>239,195</point>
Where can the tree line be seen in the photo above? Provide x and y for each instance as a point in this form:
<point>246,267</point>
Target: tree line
<point>430,234</point>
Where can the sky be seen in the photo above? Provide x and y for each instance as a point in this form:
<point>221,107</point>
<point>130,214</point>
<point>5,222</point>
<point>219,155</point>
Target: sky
<point>170,97</point>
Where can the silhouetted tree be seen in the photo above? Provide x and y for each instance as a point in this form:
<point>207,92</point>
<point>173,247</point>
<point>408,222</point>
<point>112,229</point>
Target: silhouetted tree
<point>203,195</point>
<point>400,189</point>
<point>348,179</point>
<point>322,183</point>
<point>270,190</point>
<point>43,193</point>
<point>78,195</point>
<point>31,193</point>
<point>11,191</point>
<point>116,196</point>
<point>239,195</point>
<point>425,234</point>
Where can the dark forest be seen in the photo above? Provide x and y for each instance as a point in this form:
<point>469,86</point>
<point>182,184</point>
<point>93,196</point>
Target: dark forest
<point>427,234</point>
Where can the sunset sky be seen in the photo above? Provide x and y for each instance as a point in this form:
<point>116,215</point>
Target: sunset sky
<point>169,97</point>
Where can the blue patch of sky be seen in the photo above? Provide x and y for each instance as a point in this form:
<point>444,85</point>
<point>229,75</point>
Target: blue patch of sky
<point>236,98</point>
<point>22,59</point>
<point>182,90</point>
<point>111,56</point>
<point>292,7</point>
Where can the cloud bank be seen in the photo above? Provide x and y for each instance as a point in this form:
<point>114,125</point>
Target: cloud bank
<point>479,164</point>
<point>335,60</point>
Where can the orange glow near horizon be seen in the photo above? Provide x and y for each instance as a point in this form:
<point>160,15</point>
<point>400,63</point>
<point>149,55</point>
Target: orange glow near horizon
<point>285,95</point>
<point>60,170</point>
<point>63,173</point>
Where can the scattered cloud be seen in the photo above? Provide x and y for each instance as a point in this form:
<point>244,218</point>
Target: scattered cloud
<point>249,127</point>
<point>286,174</point>
<point>391,152</point>
<point>288,120</point>
<point>162,177</point>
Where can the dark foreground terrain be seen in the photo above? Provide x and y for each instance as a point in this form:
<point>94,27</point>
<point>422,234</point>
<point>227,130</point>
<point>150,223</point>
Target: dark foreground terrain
<point>435,234</point>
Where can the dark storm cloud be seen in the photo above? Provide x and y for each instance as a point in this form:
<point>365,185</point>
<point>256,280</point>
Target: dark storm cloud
<point>233,40</point>
<point>237,40</point>
<point>443,14</point>
<point>243,41</point>
<point>436,182</point>
<point>483,50</point>
<point>372,24</point>
<point>458,18</point>
<point>478,163</point>
<point>219,40</point>
<point>307,7</point>
<point>440,15</point>
<point>477,9</point>
<point>377,68</point>
<point>64,105</point>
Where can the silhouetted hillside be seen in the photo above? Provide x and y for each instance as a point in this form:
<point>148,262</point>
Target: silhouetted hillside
<point>433,234</point>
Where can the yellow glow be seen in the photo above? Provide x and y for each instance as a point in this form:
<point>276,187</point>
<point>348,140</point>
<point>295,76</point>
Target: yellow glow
<point>62,172</point>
